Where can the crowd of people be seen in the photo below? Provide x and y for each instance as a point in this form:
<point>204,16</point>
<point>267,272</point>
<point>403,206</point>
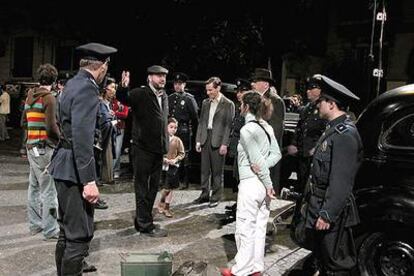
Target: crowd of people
<point>75,131</point>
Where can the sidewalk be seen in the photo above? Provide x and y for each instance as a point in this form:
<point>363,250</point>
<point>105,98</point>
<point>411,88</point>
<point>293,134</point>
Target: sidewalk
<point>196,233</point>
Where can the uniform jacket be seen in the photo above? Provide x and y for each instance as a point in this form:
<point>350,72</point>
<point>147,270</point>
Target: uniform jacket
<point>149,130</point>
<point>255,148</point>
<point>310,127</point>
<point>278,117</point>
<point>78,108</point>
<point>222,120</point>
<point>338,155</point>
<point>183,107</point>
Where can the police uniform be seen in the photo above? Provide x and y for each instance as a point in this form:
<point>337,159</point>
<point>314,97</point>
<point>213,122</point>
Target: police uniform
<point>337,157</point>
<point>73,164</point>
<point>310,127</point>
<point>184,109</point>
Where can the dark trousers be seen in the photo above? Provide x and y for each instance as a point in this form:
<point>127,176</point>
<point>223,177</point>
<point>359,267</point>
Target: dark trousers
<point>76,228</point>
<point>212,168</point>
<point>147,171</point>
<point>335,251</point>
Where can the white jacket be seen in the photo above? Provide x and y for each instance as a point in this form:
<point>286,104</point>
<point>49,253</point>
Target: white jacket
<point>4,103</point>
<point>254,148</point>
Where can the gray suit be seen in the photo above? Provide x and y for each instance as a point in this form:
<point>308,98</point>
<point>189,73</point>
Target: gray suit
<point>212,163</point>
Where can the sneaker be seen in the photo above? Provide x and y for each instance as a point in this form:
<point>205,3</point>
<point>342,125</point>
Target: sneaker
<point>53,238</point>
<point>35,231</point>
<point>117,175</point>
<point>168,213</point>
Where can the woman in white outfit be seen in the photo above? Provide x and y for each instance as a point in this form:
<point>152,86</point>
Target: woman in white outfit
<point>257,152</point>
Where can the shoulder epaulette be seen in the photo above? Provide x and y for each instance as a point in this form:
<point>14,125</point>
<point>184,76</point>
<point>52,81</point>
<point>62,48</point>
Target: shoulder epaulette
<point>341,128</point>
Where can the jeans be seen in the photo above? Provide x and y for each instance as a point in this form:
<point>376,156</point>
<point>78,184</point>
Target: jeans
<point>118,151</point>
<point>42,199</point>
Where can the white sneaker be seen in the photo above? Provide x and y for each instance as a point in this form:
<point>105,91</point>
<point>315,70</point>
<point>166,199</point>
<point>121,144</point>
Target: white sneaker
<point>116,175</point>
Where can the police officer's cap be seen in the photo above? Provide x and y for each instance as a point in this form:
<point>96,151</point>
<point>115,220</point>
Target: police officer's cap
<point>157,69</point>
<point>96,51</point>
<point>180,77</point>
<point>313,82</point>
<point>243,85</point>
<point>335,91</point>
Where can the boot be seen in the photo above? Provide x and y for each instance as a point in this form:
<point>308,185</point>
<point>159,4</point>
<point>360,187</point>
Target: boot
<point>167,211</point>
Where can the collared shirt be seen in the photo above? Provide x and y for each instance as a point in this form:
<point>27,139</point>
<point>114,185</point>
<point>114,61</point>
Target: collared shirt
<point>213,107</point>
<point>254,148</point>
<point>158,94</point>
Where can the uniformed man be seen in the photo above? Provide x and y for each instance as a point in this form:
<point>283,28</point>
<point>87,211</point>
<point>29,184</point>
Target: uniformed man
<point>308,130</point>
<point>331,208</point>
<point>184,109</point>
<point>73,164</point>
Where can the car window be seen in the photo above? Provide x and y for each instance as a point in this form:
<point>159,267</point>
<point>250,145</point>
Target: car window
<point>400,135</point>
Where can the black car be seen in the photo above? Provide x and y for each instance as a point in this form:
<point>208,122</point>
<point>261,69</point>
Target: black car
<point>384,186</point>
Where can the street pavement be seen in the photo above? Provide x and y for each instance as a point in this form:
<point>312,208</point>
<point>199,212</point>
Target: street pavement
<point>197,233</point>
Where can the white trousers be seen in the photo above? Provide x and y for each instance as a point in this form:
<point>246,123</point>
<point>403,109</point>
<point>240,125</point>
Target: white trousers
<point>251,221</point>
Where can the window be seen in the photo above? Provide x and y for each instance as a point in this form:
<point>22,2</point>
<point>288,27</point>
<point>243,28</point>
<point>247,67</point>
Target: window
<point>401,134</point>
<point>23,57</point>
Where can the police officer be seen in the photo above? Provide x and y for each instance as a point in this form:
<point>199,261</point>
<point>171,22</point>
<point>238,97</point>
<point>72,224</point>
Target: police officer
<point>308,130</point>
<point>73,164</point>
<point>184,109</point>
<point>331,208</point>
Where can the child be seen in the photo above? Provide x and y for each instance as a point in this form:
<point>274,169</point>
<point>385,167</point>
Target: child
<point>169,176</point>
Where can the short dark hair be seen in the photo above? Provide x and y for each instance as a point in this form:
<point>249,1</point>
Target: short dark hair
<point>216,81</point>
<point>47,74</point>
<point>254,100</point>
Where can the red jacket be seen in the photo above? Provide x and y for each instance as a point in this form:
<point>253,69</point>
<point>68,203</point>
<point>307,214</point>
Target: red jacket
<point>121,113</point>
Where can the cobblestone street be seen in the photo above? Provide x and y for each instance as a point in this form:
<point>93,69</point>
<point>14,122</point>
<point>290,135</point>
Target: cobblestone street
<point>196,233</point>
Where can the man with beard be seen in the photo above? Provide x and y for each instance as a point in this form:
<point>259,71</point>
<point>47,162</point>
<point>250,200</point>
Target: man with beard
<point>73,164</point>
<point>149,104</point>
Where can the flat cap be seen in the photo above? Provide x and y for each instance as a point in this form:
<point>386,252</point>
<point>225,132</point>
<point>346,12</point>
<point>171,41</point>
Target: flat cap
<point>335,91</point>
<point>180,77</point>
<point>157,69</point>
<point>242,85</point>
<point>96,51</point>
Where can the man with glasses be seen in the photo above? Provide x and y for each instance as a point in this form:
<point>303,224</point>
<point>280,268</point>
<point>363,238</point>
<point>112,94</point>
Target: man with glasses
<point>73,163</point>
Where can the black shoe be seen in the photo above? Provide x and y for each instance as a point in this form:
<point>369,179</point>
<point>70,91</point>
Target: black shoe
<point>213,204</point>
<point>101,204</point>
<point>231,208</point>
<point>88,268</point>
<point>156,233</point>
<point>200,200</point>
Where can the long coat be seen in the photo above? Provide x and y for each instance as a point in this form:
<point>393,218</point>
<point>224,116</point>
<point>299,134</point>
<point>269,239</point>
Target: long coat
<point>78,107</point>
<point>149,130</point>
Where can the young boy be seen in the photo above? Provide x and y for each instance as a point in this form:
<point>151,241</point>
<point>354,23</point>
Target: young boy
<point>169,176</point>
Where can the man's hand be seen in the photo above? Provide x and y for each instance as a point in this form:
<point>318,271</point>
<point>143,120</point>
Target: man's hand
<point>292,149</point>
<point>270,193</point>
<point>255,168</point>
<point>322,225</point>
<point>223,150</point>
<point>198,147</point>
<point>90,192</point>
<point>125,79</point>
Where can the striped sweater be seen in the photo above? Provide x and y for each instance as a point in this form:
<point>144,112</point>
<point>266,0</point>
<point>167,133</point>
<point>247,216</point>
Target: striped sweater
<point>40,117</point>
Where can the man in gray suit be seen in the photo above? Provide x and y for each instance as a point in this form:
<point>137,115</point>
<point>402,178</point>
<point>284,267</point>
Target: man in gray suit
<point>212,140</point>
